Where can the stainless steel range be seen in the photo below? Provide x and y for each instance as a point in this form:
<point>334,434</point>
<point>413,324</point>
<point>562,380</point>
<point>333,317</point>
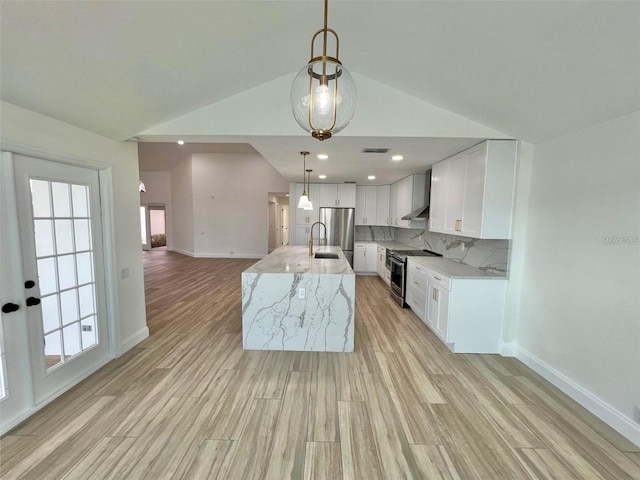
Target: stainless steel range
<point>397,263</point>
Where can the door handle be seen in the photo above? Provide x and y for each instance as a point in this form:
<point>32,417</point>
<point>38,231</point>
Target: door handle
<point>31,301</point>
<point>10,307</point>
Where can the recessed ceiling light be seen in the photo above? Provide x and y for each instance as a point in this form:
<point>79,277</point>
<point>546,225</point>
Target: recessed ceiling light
<point>371,177</point>
<point>322,156</point>
<point>397,158</point>
<point>322,176</point>
<point>180,142</point>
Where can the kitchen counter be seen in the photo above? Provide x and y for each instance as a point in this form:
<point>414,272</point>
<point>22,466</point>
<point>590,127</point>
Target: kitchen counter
<point>291,301</point>
<point>296,259</point>
<point>452,269</point>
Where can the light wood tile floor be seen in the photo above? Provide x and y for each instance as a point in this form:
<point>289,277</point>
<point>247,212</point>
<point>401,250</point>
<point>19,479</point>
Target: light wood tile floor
<point>189,403</point>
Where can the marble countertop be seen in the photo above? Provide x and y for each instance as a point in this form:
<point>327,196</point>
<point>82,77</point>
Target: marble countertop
<point>296,259</point>
<point>452,269</point>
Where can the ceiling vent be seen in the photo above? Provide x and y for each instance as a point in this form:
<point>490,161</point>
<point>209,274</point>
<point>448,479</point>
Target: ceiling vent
<point>375,150</point>
<point>349,181</point>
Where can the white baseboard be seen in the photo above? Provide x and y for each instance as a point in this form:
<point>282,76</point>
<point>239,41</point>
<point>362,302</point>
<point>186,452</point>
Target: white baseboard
<point>605,412</point>
<point>226,255</point>
<point>130,342</point>
<point>219,255</point>
<point>184,252</point>
<point>508,349</point>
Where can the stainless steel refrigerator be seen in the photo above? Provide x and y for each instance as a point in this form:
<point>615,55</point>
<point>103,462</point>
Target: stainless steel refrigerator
<point>340,223</point>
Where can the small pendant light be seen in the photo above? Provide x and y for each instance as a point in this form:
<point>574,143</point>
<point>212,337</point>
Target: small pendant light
<point>304,199</point>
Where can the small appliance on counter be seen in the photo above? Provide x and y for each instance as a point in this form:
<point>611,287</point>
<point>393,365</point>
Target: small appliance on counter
<point>397,262</point>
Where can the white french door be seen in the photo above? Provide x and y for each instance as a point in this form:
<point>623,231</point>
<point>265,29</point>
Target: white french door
<point>63,278</point>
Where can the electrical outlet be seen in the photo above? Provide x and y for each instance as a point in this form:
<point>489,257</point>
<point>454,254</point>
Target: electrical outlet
<point>302,293</point>
<point>124,273</point>
<point>636,413</point>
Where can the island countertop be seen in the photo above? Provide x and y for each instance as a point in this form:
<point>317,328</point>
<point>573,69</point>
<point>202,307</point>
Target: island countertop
<point>293,301</point>
<point>296,259</point>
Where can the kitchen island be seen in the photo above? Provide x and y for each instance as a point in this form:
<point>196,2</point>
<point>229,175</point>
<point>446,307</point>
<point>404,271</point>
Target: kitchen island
<point>293,301</point>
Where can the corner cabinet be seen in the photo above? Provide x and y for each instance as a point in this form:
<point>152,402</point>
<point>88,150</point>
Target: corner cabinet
<point>465,313</point>
<point>472,192</point>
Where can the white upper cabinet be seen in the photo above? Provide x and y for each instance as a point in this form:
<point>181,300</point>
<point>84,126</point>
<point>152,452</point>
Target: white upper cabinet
<point>366,205</point>
<point>472,192</point>
<point>406,195</point>
<point>382,205</point>
<point>438,207</point>
<point>338,195</point>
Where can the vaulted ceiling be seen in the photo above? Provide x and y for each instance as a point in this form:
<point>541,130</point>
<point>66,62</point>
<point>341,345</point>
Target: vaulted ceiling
<point>529,70</point>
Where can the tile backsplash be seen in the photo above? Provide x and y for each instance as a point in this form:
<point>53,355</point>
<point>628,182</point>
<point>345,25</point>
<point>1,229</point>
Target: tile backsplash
<point>490,255</point>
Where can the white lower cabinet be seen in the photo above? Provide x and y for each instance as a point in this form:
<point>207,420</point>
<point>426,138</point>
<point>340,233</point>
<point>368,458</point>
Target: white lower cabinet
<point>465,313</point>
<point>416,288</point>
<point>365,257</point>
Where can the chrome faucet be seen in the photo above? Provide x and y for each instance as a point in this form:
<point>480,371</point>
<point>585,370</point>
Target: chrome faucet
<point>311,236</point>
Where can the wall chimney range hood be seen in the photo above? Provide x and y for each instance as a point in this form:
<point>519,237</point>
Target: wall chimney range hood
<point>422,212</point>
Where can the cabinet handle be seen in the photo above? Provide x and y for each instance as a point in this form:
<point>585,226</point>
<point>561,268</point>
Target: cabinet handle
<point>437,278</point>
<point>437,293</point>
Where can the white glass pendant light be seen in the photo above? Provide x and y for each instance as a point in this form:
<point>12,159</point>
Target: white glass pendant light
<point>323,94</point>
<point>304,198</point>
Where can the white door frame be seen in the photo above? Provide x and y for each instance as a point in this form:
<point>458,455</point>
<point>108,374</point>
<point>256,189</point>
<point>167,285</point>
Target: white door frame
<point>108,241</point>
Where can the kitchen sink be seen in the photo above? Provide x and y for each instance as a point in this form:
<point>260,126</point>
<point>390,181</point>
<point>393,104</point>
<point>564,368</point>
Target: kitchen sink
<point>333,256</point>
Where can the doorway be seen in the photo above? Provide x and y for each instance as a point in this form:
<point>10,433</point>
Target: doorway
<point>54,329</point>
<point>278,215</point>
<point>153,226</point>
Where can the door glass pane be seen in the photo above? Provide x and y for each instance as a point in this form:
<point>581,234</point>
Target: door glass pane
<point>88,332</point>
<point>71,335</point>
<point>61,199</point>
<point>84,262</point>
<point>47,276</point>
<point>83,236</point>
<point>50,313</point>
<point>40,198</point>
<point>80,201</point>
<point>66,278</point>
<point>64,236</point>
<point>52,349</point>
<point>69,304</point>
<point>87,305</point>
<point>66,272</point>
<point>44,238</point>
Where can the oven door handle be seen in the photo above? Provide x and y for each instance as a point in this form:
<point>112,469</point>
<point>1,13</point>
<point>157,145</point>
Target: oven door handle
<point>397,262</point>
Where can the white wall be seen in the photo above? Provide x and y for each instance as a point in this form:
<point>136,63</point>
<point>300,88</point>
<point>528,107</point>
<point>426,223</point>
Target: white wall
<point>158,185</point>
<point>580,301</point>
<point>26,131</point>
<point>236,218</point>
<point>182,207</point>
